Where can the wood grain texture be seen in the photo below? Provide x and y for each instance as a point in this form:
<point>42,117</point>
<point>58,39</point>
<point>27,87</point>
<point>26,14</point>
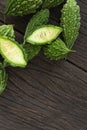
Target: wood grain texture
<point>47,95</point>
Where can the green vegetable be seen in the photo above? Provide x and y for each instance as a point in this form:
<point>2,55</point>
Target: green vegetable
<point>40,18</point>
<point>12,52</point>
<point>56,50</point>
<point>3,78</point>
<point>70,21</point>
<point>21,7</point>
<point>31,51</point>
<point>51,3</point>
<point>7,30</point>
<point>44,35</point>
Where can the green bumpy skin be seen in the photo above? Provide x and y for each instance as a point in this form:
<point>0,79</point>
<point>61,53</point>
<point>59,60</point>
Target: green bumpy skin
<point>7,30</point>
<point>21,7</point>
<point>31,51</point>
<point>56,50</point>
<point>51,3</point>
<point>12,52</point>
<point>44,35</point>
<point>40,18</point>
<point>70,22</point>
<point>3,78</point>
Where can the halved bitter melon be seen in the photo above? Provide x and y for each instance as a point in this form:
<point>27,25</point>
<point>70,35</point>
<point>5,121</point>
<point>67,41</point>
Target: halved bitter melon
<point>39,19</point>
<point>12,52</point>
<point>44,35</point>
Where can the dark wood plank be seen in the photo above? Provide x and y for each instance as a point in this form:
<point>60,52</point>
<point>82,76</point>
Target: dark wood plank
<point>47,99</point>
<point>44,96</point>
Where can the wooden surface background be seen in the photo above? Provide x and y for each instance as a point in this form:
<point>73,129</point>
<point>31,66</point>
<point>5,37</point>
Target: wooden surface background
<point>47,95</point>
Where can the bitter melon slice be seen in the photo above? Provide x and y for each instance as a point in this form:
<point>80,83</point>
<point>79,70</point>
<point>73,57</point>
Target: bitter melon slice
<point>40,18</point>
<point>44,35</point>
<point>12,52</point>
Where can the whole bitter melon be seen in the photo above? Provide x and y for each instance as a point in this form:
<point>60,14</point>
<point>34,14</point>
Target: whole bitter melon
<point>51,3</point>
<point>3,78</point>
<point>56,50</point>
<point>21,7</point>
<point>70,22</point>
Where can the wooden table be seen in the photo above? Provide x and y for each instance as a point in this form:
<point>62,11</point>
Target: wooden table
<point>47,95</point>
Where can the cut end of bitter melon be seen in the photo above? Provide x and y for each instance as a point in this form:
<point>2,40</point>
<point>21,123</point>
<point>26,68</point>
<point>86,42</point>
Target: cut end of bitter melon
<point>12,52</point>
<point>44,35</point>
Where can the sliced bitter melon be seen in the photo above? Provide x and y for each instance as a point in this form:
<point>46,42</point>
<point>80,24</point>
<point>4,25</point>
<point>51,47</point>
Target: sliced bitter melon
<point>40,18</point>
<point>44,35</point>
<point>12,52</point>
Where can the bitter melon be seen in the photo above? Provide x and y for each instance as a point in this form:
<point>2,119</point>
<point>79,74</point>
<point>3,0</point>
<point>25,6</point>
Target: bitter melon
<point>3,78</point>
<point>12,52</point>
<point>40,18</point>
<point>56,50</point>
<point>31,51</point>
<point>51,3</point>
<point>44,35</point>
<point>7,30</point>
<point>70,22</point>
<point>21,7</point>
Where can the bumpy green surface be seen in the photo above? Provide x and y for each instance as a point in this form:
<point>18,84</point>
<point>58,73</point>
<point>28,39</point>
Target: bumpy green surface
<point>56,50</point>
<point>7,30</point>
<point>51,3</point>
<point>40,18</point>
<point>31,51</point>
<point>70,22</point>
<point>21,7</point>
<point>3,78</point>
